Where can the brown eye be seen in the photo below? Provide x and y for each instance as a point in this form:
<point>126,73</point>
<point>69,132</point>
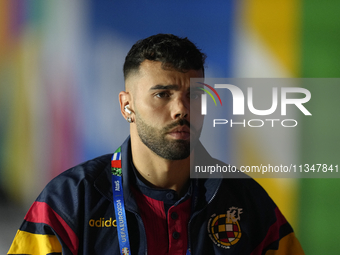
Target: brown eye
<point>162,94</point>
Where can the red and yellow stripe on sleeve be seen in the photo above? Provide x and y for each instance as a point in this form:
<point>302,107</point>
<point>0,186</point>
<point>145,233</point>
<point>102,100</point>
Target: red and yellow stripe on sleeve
<point>288,245</point>
<point>31,239</point>
<point>280,239</point>
<point>30,243</point>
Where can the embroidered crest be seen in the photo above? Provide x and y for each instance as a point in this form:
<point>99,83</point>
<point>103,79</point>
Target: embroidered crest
<point>224,229</point>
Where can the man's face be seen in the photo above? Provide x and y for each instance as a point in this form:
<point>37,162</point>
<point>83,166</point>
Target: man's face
<point>161,102</point>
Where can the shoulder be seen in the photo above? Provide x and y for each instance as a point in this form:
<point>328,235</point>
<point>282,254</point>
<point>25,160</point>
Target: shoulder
<point>69,188</point>
<point>89,169</point>
<point>247,190</point>
<point>244,192</point>
<point>85,172</point>
<point>239,184</point>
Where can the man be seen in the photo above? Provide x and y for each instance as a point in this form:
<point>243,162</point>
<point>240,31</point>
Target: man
<point>141,200</point>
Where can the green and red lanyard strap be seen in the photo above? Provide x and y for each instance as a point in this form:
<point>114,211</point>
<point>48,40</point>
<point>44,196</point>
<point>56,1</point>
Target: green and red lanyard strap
<point>119,204</point>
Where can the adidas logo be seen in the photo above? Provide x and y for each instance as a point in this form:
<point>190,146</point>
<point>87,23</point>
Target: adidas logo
<point>102,223</point>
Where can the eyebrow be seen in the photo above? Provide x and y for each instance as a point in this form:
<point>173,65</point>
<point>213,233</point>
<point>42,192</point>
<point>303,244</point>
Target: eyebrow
<point>173,87</point>
<point>165,87</point>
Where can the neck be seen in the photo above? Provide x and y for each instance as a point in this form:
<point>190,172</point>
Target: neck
<point>159,172</point>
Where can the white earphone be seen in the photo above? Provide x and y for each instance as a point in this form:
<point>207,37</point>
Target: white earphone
<point>127,109</point>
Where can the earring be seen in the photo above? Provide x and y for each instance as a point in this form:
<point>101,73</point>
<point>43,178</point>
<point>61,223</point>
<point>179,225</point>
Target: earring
<point>129,119</point>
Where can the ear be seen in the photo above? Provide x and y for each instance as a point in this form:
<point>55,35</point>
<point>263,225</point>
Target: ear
<point>124,100</point>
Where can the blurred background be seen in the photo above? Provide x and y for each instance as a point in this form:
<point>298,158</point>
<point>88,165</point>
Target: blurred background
<point>61,72</point>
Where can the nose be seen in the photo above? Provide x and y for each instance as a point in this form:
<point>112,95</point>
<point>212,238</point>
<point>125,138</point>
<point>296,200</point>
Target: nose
<point>181,108</point>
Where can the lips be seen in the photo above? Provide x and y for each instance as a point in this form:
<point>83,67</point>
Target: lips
<point>182,133</point>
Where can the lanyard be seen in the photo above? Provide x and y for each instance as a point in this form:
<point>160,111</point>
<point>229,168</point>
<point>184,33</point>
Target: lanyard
<point>119,204</point>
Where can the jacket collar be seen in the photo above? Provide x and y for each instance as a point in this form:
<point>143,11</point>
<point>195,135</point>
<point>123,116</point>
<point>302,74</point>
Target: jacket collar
<point>103,183</point>
<point>207,187</point>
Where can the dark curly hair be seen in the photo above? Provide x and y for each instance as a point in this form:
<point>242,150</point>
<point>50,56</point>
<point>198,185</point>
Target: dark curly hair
<point>173,51</point>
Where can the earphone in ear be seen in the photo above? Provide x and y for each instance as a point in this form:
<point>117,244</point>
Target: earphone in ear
<point>127,109</point>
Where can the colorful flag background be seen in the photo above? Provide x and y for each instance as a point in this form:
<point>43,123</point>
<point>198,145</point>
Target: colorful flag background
<point>61,72</point>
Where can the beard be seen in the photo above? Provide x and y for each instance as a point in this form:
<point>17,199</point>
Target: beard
<point>155,139</point>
